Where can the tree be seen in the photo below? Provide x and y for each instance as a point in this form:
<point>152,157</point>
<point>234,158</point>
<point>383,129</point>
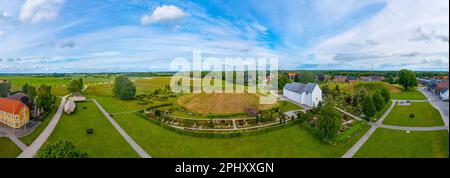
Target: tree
<point>75,86</point>
<point>386,95</point>
<point>328,122</point>
<point>5,87</point>
<point>283,79</point>
<point>44,98</point>
<point>80,84</point>
<point>32,93</point>
<point>368,107</point>
<point>378,100</point>
<point>124,88</point>
<point>61,149</point>
<point>407,79</point>
<point>25,88</point>
<point>306,77</point>
<point>337,89</point>
<point>326,90</point>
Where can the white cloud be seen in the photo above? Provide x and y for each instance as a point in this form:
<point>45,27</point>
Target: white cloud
<point>419,28</point>
<point>40,10</point>
<point>1,33</point>
<point>163,14</point>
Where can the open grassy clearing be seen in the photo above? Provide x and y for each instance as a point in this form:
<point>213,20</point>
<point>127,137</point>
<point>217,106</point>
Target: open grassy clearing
<point>425,115</point>
<point>8,149</point>
<point>287,142</point>
<point>386,143</point>
<point>105,142</point>
<point>37,131</point>
<point>147,85</point>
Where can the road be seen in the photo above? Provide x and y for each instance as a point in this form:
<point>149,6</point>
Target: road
<point>37,144</point>
<point>122,132</point>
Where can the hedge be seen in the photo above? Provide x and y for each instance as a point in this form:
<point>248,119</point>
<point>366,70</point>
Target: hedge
<point>221,134</point>
<point>360,125</point>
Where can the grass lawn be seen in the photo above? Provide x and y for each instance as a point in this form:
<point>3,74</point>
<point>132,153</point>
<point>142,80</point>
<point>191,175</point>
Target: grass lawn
<point>385,143</point>
<point>147,85</point>
<point>425,115</point>
<point>30,138</point>
<point>105,142</point>
<point>408,95</point>
<point>8,149</point>
<point>287,142</point>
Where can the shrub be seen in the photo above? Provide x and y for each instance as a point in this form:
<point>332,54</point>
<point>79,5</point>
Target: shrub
<point>61,149</point>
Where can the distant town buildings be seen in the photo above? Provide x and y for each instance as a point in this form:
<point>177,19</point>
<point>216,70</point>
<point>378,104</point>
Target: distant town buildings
<point>372,78</point>
<point>292,75</point>
<point>352,79</point>
<point>340,78</point>
<point>308,94</point>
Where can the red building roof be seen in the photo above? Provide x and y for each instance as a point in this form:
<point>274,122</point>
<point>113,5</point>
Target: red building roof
<point>11,106</point>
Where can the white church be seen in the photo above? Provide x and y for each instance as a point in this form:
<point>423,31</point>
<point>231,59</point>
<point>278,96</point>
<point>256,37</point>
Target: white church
<point>308,94</point>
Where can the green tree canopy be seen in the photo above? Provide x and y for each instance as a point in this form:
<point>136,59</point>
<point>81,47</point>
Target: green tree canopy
<point>61,149</point>
<point>124,88</point>
<point>5,87</point>
<point>368,107</point>
<point>328,122</point>
<point>75,86</point>
<point>306,77</point>
<point>386,95</point>
<point>378,100</point>
<point>283,79</point>
<point>407,79</point>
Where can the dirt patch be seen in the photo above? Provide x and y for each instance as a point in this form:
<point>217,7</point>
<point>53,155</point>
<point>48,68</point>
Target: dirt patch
<point>220,103</point>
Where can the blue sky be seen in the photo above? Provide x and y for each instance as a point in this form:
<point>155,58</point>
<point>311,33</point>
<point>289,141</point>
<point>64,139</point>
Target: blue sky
<point>145,35</point>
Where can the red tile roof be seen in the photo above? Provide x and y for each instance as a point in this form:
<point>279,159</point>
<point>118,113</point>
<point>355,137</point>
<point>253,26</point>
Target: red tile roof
<point>11,106</point>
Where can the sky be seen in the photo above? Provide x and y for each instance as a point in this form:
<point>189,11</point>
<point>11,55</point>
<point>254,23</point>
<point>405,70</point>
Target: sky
<point>51,36</point>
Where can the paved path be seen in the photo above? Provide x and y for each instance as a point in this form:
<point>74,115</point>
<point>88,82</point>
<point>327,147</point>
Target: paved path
<point>16,141</point>
<point>122,132</point>
<point>350,153</point>
<point>414,128</point>
<point>349,114</point>
<point>436,102</point>
<point>37,144</point>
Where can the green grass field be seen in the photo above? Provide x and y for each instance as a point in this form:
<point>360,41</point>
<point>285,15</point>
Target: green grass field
<point>396,91</point>
<point>8,149</point>
<point>105,142</point>
<point>31,137</point>
<point>385,143</point>
<point>425,115</point>
<point>58,83</point>
<point>287,142</point>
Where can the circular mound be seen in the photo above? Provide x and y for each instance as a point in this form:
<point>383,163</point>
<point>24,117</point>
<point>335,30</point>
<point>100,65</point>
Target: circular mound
<point>220,103</point>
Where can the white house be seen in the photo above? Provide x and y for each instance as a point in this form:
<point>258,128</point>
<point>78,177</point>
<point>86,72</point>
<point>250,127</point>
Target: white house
<point>308,94</point>
<point>444,94</point>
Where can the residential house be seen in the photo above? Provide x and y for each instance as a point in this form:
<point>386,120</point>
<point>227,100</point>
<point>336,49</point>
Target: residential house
<point>292,75</point>
<point>444,94</point>
<point>340,78</point>
<point>352,79</point>
<point>308,94</point>
<point>13,113</point>
<point>372,78</point>
<point>440,86</point>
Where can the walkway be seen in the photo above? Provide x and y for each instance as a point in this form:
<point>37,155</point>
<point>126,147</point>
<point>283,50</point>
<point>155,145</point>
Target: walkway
<point>37,144</point>
<point>433,99</point>
<point>122,132</point>
<point>350,153</point>
<point>19,143</point>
